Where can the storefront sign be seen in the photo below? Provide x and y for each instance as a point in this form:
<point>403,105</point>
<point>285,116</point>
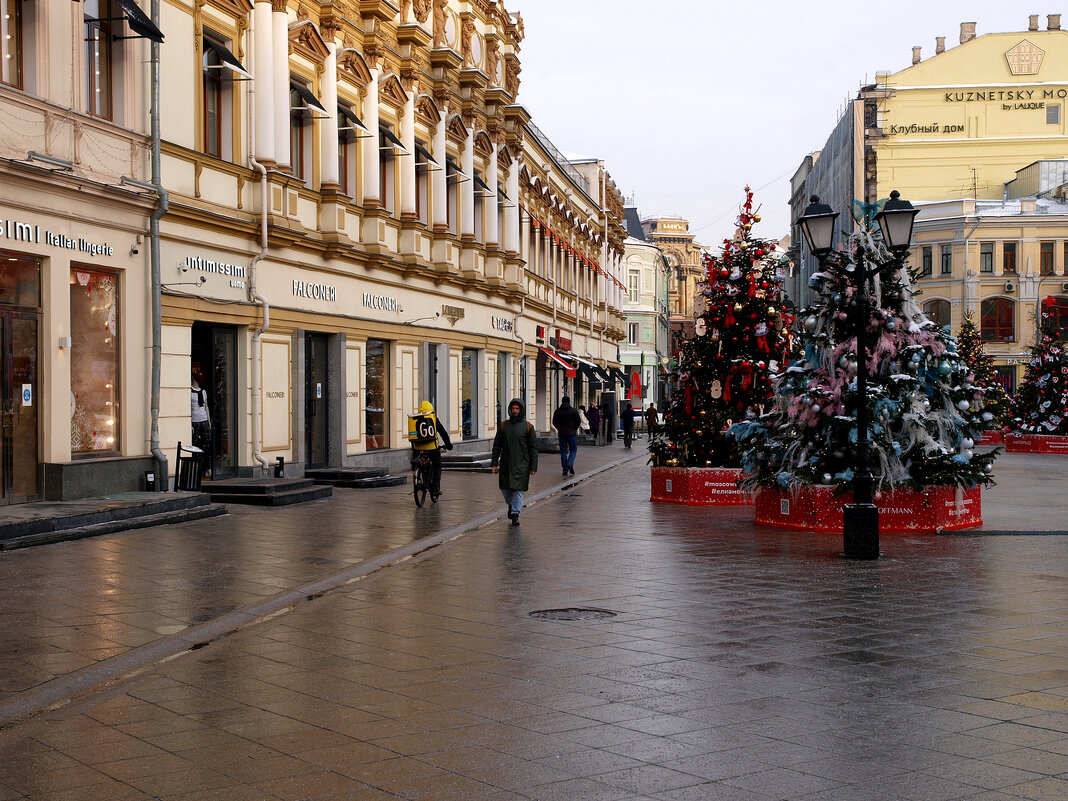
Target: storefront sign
<point>452,313</point>
<point>562,343</point>
<point>383,302</point>
<point>235,272</point>
<point>502,323</point>
<point>31,233</point>
<point>306,289</point>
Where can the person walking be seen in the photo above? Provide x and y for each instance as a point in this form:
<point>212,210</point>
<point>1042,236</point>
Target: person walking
<point>566,421</point>
<point>427,440</point>
<point>595,424</point>
<point>627,418</point>
<point>515,457</point>
<point>584,422</point>
<point>652,419</point>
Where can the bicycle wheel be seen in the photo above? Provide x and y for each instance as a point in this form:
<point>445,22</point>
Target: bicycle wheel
<point>420,484</point>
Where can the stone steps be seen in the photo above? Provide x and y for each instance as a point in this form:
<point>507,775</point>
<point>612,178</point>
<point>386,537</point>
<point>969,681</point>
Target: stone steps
<point>355,477</point>
<point>467,462</point>
<point>266,491</point>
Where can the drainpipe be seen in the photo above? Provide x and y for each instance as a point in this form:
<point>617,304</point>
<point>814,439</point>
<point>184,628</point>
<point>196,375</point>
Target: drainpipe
<point>154,262</point>
<point>604,252</point>
<point>964,284</point>
<point>253,295</point>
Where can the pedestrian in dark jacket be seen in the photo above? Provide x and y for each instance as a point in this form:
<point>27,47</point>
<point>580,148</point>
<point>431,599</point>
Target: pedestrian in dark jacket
<point>627,417</point>
<point>566,421</point>
<point>595,424</point>
<point>652,419</point>
<point>515,457</point>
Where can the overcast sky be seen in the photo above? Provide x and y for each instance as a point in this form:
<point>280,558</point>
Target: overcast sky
<point>687,101</point>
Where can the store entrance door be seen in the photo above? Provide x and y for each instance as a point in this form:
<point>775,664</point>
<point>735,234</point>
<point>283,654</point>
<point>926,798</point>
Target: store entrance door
<point>213,352</point>
<point>18,410</point>
<point>316,393</point>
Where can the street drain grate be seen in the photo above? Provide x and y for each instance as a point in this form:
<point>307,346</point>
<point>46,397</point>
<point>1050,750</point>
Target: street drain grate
<point>572,613</point>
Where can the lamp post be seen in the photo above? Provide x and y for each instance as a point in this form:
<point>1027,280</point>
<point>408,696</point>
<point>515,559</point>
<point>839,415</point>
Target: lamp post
<point>860,519</point>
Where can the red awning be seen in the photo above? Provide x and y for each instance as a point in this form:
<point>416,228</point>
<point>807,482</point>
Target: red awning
<point>569,370</point>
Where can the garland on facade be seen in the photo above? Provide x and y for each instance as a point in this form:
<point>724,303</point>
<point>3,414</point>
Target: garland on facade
<point>742,339</point>
<point>923,405</point>
<point>1040,405</point>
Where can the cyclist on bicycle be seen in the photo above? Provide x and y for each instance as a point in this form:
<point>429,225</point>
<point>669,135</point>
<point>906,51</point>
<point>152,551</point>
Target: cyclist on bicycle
<point>423,433</point>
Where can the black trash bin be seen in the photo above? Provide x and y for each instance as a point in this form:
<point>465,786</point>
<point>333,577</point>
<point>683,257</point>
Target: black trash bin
<point>190,469</point>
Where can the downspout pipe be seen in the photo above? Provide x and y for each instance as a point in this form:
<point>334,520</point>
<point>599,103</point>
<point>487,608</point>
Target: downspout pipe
<point>964,282</point>
<point>253,294</point>
<point>162,477</point>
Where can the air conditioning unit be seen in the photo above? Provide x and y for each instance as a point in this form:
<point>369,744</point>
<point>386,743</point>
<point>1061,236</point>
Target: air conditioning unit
<point>1010,286</point>
<point>1064,287</point>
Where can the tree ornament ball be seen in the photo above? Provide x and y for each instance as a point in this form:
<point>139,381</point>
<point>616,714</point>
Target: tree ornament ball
<point>988,468</point>
<point>810,323</point>
<point>737,307</point>
<point>891,324</point>
<point>967,442</point>
<point>756,218</point>
<point>963,405</point>
<point>944,367</point>
<point>968,454</point>
<point>771,311</point>
<point>827,478</point>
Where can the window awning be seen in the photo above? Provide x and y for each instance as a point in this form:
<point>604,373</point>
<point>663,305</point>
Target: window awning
<point>138,21</point>
<point>569,370</point>
<point>452,168</point>
<point>481,187</point>
<point>350,117</point>
<point>619,376</point>
<point>310,101</point>
<point>228,59</point>
<point>391,140</point>
<point>428,160</point>
<point>590,371</point>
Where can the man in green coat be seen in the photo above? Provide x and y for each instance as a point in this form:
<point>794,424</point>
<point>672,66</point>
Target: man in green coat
<point>515,458</point>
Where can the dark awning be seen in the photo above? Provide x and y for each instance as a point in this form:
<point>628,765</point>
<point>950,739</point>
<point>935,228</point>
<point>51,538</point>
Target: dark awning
<point>452,168</point>
<point>391,140</point>
<point>481,185</point>
<point>138,21</point>
<point>619,376</point>
<point>556,361</point>
<point>590,371</point>
<point>351,117</point>
<point>228,59</point>
<point>423,153</point>
<point>310,100</point>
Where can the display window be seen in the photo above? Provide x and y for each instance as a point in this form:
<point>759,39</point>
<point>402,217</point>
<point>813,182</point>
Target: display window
<point>94,368</point>
<point>377,383</point>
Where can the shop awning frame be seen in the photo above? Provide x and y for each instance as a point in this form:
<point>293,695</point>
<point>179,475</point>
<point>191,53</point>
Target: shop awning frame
<point>228,59</point>
<point>569,370</point>
<point>138,21</point>
<point>431,163</point>
<point>619,376</point>
<point>357,123</point>
<point>392,142</point>
<point>311,102</point>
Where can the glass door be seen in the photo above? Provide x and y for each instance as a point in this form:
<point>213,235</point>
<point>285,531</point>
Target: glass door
<point>19,423</point>
<point>223,401</point>
<point>316,393</point>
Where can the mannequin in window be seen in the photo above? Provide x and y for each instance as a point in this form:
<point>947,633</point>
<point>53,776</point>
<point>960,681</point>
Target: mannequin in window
<point>199,415</point>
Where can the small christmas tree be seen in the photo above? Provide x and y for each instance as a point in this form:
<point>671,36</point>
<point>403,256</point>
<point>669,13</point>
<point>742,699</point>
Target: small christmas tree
<point>922,406</point>
<point>1041,402</point>
<point>995,403</point>
<point>742,338</point>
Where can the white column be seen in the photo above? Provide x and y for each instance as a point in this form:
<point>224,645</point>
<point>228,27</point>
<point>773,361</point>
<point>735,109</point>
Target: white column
<point>372,182</point>
<point>407,162</point>
<point>328,144</point>
<point>280,28</point>
<point>489,202</point>
<point>511,213</point>
<point>263,81</point>
<point>467,203</point>
<point>438,178</point>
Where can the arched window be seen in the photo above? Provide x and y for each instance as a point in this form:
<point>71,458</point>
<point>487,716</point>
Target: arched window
<point>937,312</point>
<point>997,320</point>
<point>1060,315</point>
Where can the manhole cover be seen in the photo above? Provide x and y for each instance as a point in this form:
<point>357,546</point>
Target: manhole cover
<point>572,613</point>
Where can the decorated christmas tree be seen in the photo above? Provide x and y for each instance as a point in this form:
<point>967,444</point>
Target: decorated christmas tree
<point>742,339</point>
<point>1041,402</point>
<point>922,403</point>
<point>995,404</point>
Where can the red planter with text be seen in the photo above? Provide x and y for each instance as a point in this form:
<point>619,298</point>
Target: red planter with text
<point>1018,442</point>
<point>698,486</point>
<point>991,438</point>
<point>901,510</point>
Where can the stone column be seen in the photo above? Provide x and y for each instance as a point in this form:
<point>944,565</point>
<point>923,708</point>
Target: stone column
<point>263,82</point>
<point>407,161</point>
<point>280,37</point>
<point>439,218</point>
<point>489,204</point>
<point>372,189</point>
<point>467,188</point>
<point>511,213</point>
<point>328,133</point>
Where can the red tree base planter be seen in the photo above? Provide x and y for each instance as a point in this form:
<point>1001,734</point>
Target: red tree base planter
<point>991,438</point>
<point>698,486</point>
<point>1018,442</point>
<point>900,510</point>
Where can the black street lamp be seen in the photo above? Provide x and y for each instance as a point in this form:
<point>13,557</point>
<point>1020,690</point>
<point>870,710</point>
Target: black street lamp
<point>860,519</point>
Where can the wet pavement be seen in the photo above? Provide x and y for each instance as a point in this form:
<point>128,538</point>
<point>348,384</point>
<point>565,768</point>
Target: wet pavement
<point>738,663</point>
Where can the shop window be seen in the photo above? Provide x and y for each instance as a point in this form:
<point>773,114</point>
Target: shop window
<point>1064,259</point>
<point>387,168</point>
<point>1008,258</point>
<point>349,131</point>
<point>1053,114</point>
<point>1045,258</point>
<point>218,97</point>
<point>986,257</point>
<point>997,320</point>
<point>300,120</point>
<point>927,262</point>
<point>100,49</point>
<point>377,383</point>
<point>938,312</point>
<point>947,260</point>
<point>11,43</point>
<point>469,393</point>
<point>94,361</point>
<point>20,282</point>
<point>1006,376</point>
<point>632,333</point>
<point>423,165</point>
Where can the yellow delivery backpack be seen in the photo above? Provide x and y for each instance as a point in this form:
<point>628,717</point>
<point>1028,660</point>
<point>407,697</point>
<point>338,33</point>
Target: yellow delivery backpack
<point>423,431</point>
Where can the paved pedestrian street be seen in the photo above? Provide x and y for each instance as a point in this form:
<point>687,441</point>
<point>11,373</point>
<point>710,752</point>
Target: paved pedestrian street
<point>704,658</point>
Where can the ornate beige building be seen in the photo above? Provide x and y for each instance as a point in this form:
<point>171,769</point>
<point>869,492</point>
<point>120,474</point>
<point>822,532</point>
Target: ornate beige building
<point>684,256</point>
<point>354,214</point>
